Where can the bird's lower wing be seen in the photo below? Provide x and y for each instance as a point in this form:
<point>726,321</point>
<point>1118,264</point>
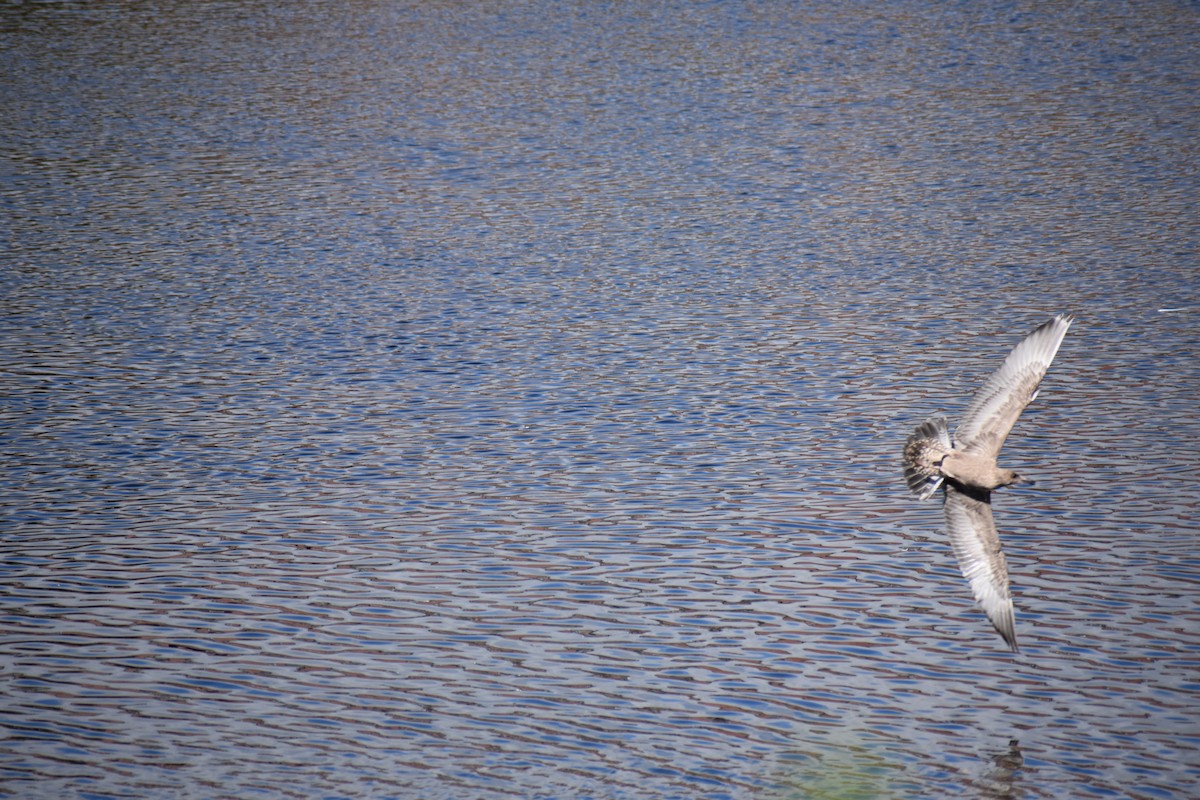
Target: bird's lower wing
<point>977,546</point>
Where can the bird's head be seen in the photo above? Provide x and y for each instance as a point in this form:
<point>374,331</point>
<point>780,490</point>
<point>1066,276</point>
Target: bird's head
<point>1011,477</point>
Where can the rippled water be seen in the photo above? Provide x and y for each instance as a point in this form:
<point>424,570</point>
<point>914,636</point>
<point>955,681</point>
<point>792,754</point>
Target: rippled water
<point>489,400</point>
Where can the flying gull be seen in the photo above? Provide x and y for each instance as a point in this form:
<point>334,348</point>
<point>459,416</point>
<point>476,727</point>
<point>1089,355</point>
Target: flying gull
<point>965,467</point>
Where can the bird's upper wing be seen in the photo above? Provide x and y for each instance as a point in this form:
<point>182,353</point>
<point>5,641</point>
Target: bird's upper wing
<point>973,537</point>
<point>995,408</point>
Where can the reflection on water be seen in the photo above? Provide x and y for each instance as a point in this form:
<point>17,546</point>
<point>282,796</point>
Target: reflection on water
<point>445,401</point>
<point>839,770</point>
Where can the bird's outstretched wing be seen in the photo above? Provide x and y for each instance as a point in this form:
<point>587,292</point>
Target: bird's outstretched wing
<point>995,408</point>
<point>973,536</point>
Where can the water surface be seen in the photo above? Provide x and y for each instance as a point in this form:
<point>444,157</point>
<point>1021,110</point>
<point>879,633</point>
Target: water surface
<point>490,400</point>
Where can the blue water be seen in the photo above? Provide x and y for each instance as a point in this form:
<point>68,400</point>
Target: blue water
<point>505,399</point>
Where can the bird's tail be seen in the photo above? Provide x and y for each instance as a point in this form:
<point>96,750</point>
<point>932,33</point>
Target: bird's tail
<point>923,452</point>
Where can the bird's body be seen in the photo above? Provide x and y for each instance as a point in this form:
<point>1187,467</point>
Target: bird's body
<point>965,467</point>
<point>975,471</point>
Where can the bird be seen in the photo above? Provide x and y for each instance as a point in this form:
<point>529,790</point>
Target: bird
<point>964,467</point>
